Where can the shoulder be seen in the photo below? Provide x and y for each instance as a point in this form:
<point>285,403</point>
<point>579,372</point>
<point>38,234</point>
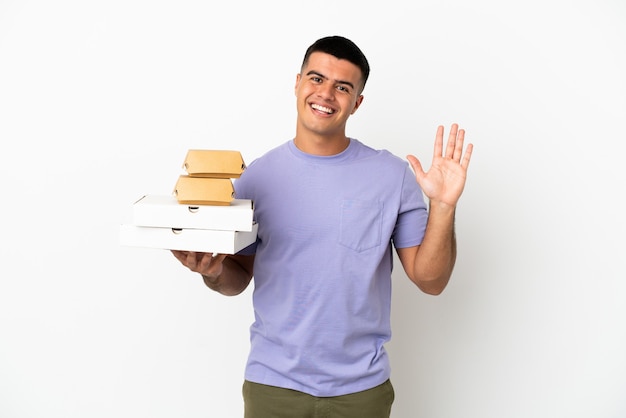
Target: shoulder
<point>378,156</point>
<point>269,157</point>
<point>260,170</point>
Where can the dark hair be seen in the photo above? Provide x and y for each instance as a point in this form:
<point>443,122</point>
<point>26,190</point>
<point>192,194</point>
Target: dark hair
<point>342,48</point>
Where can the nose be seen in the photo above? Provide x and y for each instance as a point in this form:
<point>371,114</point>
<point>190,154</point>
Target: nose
<point>326,91</point>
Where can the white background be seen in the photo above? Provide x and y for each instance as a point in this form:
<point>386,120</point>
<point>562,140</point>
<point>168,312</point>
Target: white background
<point>100,100</point>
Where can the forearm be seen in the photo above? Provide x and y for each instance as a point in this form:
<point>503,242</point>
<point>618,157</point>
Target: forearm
<point>435,259</point>
<point>233,279</point>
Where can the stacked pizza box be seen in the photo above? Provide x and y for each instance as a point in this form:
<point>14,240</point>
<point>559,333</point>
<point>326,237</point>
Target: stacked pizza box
<point>201,214</point>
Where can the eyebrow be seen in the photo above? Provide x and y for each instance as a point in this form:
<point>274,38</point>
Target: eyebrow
<point>326,78</point>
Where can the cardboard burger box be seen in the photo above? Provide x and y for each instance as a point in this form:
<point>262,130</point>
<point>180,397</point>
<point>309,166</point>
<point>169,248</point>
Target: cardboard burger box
<point>204,190</point>
<point>214,163</point>
<point>200,240</point>
<point>166,211</point>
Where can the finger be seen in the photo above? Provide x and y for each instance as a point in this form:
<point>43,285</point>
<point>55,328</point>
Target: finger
<point>451,141</point>
<point>458,147</point>
<point>207,261</point>
<point>438,142</point>
<point>417,166</point>
<point>180,255</point>
<point>467,156</point>
<point>211,264</point>
<point>191,261</point>
<point>220,257</point>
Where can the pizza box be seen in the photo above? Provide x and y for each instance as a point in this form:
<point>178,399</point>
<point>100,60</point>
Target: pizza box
<point>199,240</point>
<point>166,211</point>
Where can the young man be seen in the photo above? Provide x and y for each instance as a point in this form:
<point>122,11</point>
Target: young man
<point>329,210</point>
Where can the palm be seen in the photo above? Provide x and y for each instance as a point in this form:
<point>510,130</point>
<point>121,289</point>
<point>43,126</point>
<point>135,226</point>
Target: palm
<point>445,180</point>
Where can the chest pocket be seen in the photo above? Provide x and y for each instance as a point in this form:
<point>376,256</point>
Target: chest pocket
<point>361,224</point>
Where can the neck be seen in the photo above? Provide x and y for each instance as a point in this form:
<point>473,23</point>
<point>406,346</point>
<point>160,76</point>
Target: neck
<point>323,146</point>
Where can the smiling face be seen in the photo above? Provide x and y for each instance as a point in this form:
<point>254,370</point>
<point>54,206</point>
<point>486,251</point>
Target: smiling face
<point>328,92</point>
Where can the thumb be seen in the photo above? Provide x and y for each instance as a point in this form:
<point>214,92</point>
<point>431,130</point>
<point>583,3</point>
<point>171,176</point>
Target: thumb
<point>416,166</point>
<point>220,257</point>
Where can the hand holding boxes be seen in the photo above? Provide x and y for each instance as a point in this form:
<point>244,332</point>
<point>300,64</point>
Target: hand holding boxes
<point>201,215</point>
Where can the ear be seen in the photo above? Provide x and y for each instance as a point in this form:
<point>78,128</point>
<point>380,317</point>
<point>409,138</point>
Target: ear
<point>298,77</point>
<point>357,104</point>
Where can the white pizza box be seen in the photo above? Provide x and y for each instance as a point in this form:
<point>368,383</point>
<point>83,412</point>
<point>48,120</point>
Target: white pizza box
<point>166,211</point>
<point>200,240</point>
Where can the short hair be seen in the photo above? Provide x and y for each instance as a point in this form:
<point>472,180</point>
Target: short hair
<point>341,48</point>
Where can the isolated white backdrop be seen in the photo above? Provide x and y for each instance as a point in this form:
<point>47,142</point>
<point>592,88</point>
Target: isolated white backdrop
<point>99,102</point>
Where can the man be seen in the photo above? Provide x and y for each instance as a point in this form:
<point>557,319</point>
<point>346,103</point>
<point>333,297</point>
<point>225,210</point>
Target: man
<point>329,209</point>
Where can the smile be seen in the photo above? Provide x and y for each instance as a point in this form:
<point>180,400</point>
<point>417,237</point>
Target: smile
<point>323,109</point>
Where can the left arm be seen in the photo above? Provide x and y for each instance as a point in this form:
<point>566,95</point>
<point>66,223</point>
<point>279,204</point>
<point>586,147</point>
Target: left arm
<point>430,264</point>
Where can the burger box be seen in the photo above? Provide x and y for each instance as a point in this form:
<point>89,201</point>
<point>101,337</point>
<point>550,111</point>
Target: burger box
<point>187,239</point>
<point>214,163</point>
<point>204,190</point>
<point>165,211</point>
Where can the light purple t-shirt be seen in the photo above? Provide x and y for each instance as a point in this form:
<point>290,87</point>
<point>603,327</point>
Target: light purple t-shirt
<point>322,272</point>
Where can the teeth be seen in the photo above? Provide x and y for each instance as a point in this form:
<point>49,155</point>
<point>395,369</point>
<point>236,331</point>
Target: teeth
<point>322,108</point>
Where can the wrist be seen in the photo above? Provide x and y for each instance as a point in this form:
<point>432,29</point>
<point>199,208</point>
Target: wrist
<point>441,207</point>
<point>212,282</point>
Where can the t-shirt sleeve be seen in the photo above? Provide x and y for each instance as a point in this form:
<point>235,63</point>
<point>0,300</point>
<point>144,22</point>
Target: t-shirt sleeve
<point>413,214</point>
<point>242,191</point>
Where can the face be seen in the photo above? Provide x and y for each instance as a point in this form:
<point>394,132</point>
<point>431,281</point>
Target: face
<point>328,92</point>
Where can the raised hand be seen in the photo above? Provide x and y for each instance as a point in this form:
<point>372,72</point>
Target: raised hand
<point>443,183</point>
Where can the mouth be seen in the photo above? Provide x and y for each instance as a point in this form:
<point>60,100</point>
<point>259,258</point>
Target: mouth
<point>323,109</point>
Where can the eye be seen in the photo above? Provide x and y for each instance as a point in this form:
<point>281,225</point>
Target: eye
<point>343,88</point>
<point>316,79</point>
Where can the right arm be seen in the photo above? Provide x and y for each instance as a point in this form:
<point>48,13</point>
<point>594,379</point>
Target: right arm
<point>227,274</point>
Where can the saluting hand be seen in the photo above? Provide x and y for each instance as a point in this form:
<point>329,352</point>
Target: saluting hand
<point>445,180</point>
